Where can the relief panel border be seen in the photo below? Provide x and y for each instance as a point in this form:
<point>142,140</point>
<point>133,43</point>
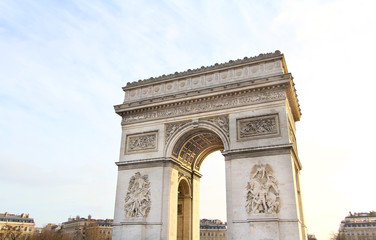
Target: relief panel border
<point>141,142</point>
<point>263,126</point>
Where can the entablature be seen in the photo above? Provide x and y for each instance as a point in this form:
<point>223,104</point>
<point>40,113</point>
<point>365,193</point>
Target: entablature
<point>193,91</point>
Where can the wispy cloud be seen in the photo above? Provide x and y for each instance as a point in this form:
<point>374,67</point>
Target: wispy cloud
<point>63,64</point>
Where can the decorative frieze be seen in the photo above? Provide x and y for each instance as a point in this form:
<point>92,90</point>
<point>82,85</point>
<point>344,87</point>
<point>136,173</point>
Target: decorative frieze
<point>137,200</point>
<point>207,104</point>
<point>249,128</point>
<point>142,142</point>
<point>262,191</point>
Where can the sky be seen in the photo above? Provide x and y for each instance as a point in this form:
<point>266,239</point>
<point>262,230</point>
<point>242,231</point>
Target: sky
<point>63,63</point>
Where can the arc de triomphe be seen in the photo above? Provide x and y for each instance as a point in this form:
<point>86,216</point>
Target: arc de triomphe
<point>247,109</point>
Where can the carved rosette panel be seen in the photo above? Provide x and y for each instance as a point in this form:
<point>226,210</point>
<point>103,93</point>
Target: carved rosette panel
<point>172,128</point>
<point>262,191</point>
<point>141,142</point>
<point>137,200</point>
<point>222,122</point>
<point>258,126</point>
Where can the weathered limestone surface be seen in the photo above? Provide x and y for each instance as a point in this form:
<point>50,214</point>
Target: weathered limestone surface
<point>245,108</point>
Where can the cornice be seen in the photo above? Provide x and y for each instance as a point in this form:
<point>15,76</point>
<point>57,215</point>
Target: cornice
<point>216,66</point>
<point>257,151</point>
<point>263,151</point>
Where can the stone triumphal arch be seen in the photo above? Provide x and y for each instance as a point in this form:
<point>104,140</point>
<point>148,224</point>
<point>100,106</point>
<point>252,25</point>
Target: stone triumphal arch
<point>247,109</point>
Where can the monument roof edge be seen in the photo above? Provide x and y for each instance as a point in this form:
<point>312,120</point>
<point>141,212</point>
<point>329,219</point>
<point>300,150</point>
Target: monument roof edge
<point>262,56</point>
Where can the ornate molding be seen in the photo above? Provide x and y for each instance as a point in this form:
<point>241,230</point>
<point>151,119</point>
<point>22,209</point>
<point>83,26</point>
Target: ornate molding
<point>262,191</point>
<point>206,104</point>
<point>259,126</point>
<point>180,175</point>
<point>137,200</point>
<point>231,63</point>
<point>142,142</point>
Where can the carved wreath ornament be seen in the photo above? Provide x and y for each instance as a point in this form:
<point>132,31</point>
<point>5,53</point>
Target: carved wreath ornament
<point>262,191</point>
<point>137,200</point>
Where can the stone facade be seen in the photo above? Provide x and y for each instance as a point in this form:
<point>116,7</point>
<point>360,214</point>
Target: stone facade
<point>21,226</point>
<point>245,108</point>
<point>212,229</point>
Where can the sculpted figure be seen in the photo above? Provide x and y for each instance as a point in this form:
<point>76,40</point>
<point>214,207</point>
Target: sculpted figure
<point>221,122</point>
<point>137,200</point>
<point>262,191</point>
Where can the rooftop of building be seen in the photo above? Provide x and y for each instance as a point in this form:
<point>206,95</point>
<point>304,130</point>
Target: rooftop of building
<point>9,217</point>
<point>81,219</point>
<point>360,224</point>
<point>359,220</point>
<point>361,214</point>
<point>212,224</point>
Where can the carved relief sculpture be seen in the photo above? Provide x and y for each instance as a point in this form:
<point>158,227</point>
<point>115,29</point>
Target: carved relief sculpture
<point>172,128</point>
<point>258,126</point>
<point>204,105</point>
<point>262,191</point>
<point>221,122</point>
<point>137,200</point>
<point>142,142</point>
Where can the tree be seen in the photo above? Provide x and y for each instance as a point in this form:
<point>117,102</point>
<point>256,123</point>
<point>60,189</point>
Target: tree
<point>49,235</point>
<point>11,233</point>
<point>337,236</point>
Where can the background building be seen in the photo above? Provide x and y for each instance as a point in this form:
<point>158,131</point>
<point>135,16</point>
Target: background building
<point>82,228</point>
<point>19,225</point>
<point>213,229</point>
<point>358,226</point>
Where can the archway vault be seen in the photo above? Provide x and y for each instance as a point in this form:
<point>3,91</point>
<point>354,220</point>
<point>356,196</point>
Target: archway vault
<point>192,142</point>
<point>194,146</point>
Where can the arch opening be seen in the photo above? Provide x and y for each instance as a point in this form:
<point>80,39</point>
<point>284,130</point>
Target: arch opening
<point>193,147</point>
<point>190,150</point>
<point>184,223</point>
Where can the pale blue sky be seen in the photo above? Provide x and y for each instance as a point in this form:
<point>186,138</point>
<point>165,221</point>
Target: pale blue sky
<point>63,63</point>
